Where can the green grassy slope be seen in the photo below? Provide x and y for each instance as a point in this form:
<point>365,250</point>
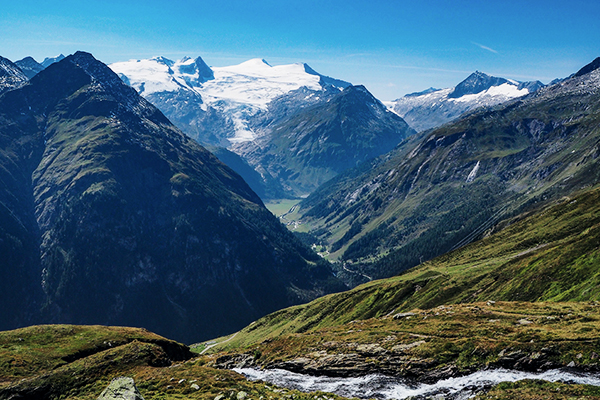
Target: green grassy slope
<point>549,256</point>
<point>430,196</point>
<point>78,362</point>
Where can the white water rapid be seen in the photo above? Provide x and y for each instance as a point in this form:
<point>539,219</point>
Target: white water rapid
<point>385,387</point>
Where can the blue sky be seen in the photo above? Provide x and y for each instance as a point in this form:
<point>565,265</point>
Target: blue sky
<point>392,47</point>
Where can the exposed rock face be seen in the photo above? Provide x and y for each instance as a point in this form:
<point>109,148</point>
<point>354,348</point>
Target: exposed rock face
<point>11,75</point>
<point>122,388</point>
<point>366,359</point>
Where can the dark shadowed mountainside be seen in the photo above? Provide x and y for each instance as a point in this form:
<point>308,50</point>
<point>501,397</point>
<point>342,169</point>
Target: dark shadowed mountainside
<point>119,218</point>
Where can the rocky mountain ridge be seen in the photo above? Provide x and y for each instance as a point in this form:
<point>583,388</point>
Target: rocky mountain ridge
<point>100,187</point>
<point>435,107</point>
<point>29,66</point>
<point>302,144</point>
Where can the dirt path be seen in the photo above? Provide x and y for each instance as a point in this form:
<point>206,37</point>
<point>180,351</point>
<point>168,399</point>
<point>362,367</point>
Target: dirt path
<point>210,346</point>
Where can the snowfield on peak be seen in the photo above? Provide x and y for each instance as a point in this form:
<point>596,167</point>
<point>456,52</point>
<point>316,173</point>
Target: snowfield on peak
<point>433,108</point>
<point>150,76</point>
<point>256,83</point>
<point>506,91</point>
<point>237,92</point>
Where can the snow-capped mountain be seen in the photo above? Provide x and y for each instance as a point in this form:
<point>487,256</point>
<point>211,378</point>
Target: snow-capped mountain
<point>434,107</point>
<point>215,104</point>
<point>51,60</point>
<point>11,75</point>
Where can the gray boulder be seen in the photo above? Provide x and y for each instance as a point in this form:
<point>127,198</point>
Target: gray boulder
<point>122,388</point>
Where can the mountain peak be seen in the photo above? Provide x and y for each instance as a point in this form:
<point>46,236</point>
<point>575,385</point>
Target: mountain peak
<point>27,59</point>
<point>8,68</point>
<point>256,62</point>
<point>163,60</point>
<point>77,71</point>
<point>475,83</point>
<point>29,66</point>
<point>51,60</point>
<point>97,70</point>
<point>11,75</point>
<point>326,80</point>
<point>199,71</point>
<point>594,65</point>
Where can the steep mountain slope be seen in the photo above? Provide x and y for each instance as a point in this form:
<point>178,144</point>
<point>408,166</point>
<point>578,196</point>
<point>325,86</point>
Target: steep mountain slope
<point>430,196</point>
<point>29,66</point>
<point>265,186</point>
<point>11,75</point>
<point>516,299</point>
<point>304,146</point>
<point>124,220</point>
<point>434,107</point>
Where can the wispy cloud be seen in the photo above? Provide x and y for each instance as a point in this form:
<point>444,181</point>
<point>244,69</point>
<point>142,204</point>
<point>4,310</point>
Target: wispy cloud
<point>485,47</point>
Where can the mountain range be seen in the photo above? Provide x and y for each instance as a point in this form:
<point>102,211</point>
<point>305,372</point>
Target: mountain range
<point>435,107</point>
<point>111,215</point>
<point>295,127</point>
<point>213,105</point>
<point>441,189</point>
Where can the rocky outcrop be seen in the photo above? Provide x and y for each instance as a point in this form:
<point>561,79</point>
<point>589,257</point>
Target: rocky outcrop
<point>366,359</point>
<point>122,388</point>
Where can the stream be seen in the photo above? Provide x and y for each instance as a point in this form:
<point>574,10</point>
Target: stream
<point>385,387</point>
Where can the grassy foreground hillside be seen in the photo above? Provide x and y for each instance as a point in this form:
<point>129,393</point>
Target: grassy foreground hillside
<point>78,362</point>
<point>550,256</point>
<point>525,297</point>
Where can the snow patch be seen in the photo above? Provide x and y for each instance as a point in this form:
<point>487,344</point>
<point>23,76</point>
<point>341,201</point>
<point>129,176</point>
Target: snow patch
<point>473,173</point>
<point>505,91</point>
